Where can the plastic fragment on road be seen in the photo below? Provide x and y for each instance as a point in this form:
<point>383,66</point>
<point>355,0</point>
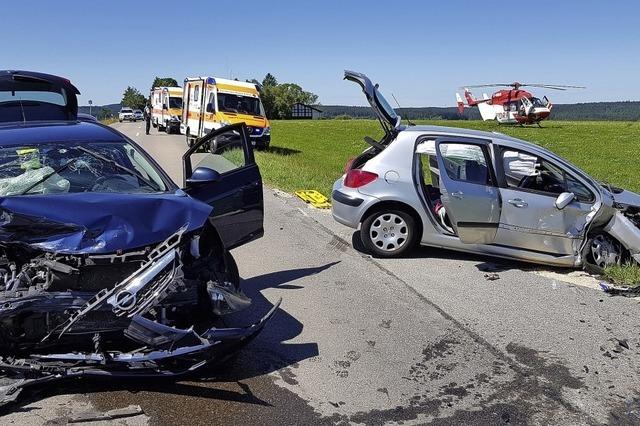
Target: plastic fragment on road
<point>491,277</point>
<point>617,290</point>
<point>606,287</point>
<point>313,197</point>
<point>119,413</point>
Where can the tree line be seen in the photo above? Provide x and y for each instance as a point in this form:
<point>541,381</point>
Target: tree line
<point>279,98</point>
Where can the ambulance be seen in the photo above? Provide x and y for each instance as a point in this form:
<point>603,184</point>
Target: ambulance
<point>166,103</point>
<point>211,103</point>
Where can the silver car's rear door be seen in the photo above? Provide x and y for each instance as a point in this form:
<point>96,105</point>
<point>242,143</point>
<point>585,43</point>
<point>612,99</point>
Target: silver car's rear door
<point>467,184</point>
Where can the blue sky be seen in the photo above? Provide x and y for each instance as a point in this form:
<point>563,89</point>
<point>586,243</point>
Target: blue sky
<point>421,51</point>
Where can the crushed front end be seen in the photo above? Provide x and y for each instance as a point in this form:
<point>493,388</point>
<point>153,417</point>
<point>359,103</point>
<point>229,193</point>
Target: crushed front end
<point>625,222</point>
<point>146,312</point>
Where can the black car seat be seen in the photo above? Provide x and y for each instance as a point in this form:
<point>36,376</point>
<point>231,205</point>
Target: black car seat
<point>475,172</point>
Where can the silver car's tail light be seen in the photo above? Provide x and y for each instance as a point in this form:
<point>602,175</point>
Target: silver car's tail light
<point>356,178</point>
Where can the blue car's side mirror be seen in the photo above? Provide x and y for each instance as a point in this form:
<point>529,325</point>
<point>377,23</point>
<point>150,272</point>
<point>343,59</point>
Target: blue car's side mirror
<point>203,175</point>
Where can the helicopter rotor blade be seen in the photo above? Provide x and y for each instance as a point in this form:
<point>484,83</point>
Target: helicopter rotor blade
<point>553,86</point>
<point>545,86</point>
<point>486,85</point>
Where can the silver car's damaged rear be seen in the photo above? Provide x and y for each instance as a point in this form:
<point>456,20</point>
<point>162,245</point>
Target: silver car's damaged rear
<point>480,192</point>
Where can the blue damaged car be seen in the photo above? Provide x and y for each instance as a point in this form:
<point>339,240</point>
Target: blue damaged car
<point>107,267</point>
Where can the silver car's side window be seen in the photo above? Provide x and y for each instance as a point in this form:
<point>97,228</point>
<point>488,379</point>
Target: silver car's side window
<point>529,172</point>
<point>581,192</point>
<point>465,162</point>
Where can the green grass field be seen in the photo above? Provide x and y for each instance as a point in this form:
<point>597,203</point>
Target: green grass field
<point>627,275</point>
<point>312,154</point>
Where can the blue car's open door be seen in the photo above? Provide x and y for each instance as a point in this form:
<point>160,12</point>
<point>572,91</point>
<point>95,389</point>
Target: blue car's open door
<point>220,170</point>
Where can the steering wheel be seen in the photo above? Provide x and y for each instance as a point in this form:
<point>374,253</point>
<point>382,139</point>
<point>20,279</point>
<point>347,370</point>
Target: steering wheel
<point>528,182</point>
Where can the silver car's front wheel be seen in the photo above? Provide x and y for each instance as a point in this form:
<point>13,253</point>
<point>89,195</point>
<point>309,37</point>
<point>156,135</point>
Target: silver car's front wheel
<point>388,233</point>
<point>604,251</point>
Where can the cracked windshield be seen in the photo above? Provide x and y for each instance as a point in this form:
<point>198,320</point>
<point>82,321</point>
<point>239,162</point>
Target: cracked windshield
<point>92,167</point>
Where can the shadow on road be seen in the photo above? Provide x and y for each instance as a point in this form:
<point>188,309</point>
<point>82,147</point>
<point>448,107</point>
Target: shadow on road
<point>271,350</point>
<point>420,252</point>
<point>486,263</point>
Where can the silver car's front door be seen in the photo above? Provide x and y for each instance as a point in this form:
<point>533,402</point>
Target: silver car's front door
<point>469,193</point>
<point>530,219</point>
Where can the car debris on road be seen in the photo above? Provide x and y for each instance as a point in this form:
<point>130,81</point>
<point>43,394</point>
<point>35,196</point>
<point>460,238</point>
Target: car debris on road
<point>615,290</point>
<point>95,416</point>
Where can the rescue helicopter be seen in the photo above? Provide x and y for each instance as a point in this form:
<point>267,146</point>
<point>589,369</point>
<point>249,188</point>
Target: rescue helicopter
<point>511,106</point>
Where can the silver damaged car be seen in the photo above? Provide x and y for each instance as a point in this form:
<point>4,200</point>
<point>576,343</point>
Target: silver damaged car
<point>480,192</point>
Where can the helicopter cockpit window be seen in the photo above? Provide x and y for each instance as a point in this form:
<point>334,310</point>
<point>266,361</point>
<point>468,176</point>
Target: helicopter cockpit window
<point>537,102</point>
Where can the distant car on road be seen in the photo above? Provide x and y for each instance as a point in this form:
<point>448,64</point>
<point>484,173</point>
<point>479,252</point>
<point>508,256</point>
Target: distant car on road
<point>480,192</point>
<point>137,115</point>
<point>126,114</point>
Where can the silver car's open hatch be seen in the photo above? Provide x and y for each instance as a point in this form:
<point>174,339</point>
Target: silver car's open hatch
<point>383,110</point>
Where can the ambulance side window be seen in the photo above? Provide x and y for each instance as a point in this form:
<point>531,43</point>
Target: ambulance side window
<point>196,93</point>
<point>211,103</point>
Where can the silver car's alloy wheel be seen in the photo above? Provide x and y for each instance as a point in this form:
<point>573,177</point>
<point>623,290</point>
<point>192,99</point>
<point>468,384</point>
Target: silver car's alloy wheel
<point>604,251</point>
<point>389,232</point>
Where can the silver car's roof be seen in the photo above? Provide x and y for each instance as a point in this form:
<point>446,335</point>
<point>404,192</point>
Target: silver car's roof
<point>500,138</point>
<point>496,136</point>
<point>460,131</point>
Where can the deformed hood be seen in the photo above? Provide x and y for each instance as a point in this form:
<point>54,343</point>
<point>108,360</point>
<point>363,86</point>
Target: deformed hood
<point>627,198</point>
<point>93,223</point>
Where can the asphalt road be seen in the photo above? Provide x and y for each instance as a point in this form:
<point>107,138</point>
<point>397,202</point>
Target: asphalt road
<point>425,339</point>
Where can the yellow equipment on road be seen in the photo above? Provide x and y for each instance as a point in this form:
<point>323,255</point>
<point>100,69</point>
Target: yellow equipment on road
<point>314,198</point>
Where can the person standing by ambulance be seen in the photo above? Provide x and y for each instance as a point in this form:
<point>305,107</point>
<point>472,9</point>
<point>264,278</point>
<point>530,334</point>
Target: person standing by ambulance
<point>147,117</point>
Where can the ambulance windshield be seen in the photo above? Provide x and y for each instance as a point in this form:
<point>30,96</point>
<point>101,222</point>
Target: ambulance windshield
<point>228,102</point>
<point>175,102</point>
